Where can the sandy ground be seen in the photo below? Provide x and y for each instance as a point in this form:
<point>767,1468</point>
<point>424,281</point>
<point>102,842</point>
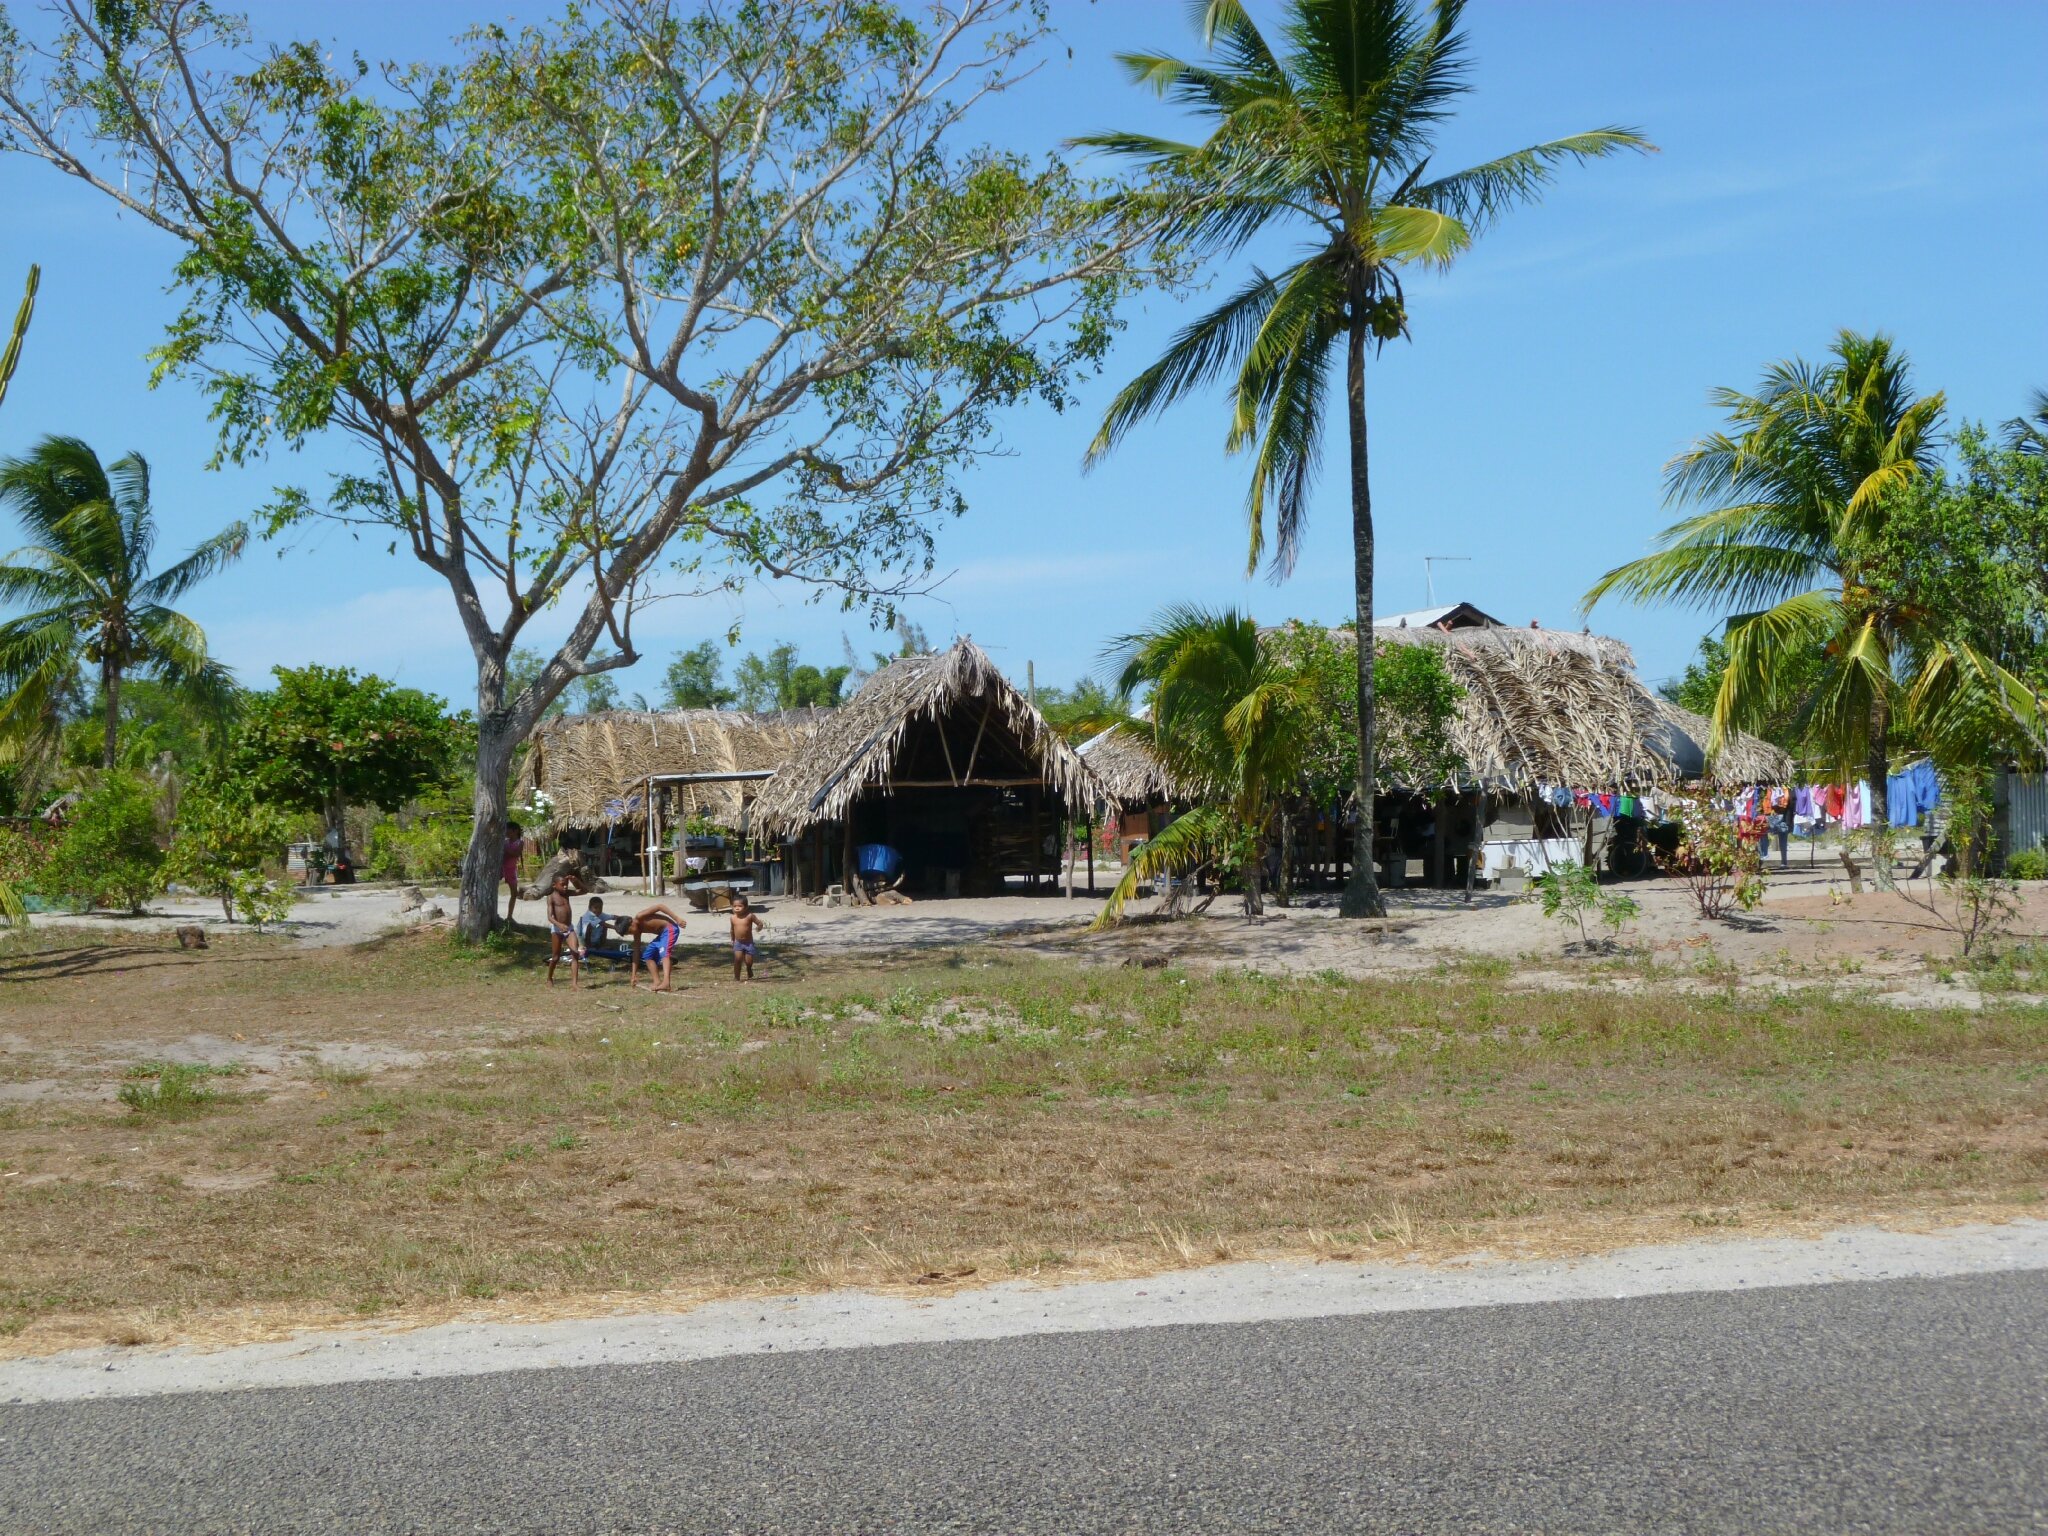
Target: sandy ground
<point>1230,1293</point>
<point>1809,930</point>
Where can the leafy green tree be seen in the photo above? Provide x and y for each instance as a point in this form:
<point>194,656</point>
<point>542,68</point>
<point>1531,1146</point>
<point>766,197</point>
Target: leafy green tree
<point>161,727</point>
<point>11,356</point>
<point>596,693</point>
<point>1417,701</point>
<point>1795,496</point>
<point>220,843</point>
<point>694,680</point>
<point>108,855</point>
<point>632,301</point>
<point>1229,720</point>
<point>780,681</point>
<point>1965,550</point>
<point>1084,710</point>
<point>90,597</point>
<point>1329,136</point>
<point>325,739</point>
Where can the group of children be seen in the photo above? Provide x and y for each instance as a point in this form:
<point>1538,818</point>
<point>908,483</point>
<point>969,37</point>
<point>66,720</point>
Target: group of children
<point>657,927</point>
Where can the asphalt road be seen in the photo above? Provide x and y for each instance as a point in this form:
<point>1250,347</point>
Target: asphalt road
<point>1913,1405</point>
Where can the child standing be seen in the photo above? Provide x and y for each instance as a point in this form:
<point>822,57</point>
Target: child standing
<point>746,926</point>
<point>561,935</point>
<point>508,864</point>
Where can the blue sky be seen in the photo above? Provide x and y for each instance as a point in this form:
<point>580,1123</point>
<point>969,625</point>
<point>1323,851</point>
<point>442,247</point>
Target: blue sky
<point>1822,166</point>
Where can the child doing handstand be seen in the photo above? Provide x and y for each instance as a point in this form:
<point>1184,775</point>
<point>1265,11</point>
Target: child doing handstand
<point>746,924</point>
<point>666,926</point>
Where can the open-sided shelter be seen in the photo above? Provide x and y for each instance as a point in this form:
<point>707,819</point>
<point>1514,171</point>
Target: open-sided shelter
<point>620,780</point>
<point>942,759</point>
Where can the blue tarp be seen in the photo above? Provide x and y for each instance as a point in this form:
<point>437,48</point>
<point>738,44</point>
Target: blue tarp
<point>878,859</point>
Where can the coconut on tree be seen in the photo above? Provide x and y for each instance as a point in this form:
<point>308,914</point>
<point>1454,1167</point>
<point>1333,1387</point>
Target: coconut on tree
<point>1326,138</point>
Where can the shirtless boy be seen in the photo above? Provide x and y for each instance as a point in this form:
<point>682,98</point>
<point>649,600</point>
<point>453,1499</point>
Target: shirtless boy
<point>746,924</point>
<point>665,925</point>
<point>561,933</point>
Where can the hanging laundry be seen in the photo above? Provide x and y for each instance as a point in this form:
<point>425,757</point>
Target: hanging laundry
<point>1912,793</point>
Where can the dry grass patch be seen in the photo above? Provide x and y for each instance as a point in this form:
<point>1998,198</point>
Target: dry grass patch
<point>408,1128</point>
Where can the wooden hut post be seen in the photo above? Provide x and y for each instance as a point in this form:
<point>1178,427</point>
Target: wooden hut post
<point>1088,831</point>
<point>1037,839</point>
<point>849,880</point>
<point>1437,875</point>
<point>1067,837</point>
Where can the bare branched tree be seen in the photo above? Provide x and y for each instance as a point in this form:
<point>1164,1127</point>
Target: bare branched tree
<point>647,300</point>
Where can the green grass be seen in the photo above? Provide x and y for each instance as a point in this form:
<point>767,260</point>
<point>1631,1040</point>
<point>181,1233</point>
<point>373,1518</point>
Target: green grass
<point>172,1090</point>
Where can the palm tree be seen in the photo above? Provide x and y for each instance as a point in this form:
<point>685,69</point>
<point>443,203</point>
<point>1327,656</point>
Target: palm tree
<point>1229,720</point>
<point>1331,139</point>
<point>1795,492</point>
<point>85,583</point>
<point>2028,432</point>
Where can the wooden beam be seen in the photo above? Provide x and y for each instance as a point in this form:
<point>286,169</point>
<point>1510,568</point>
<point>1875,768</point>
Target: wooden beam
<point>945,747</point>
<point>965,783</point>
<point>987,709</point>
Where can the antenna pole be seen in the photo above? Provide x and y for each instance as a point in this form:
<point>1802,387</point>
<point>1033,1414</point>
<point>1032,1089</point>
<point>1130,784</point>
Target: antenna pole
<point>1429,574</point>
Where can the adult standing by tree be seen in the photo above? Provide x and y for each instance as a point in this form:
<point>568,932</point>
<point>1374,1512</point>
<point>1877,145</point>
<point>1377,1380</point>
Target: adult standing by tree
<point>625,303</point>
<point>85,583</point>
<point>1793,496</point>
<point>1331,137</point>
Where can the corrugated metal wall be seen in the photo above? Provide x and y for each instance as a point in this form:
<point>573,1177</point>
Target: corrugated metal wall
<point>2022,812</point>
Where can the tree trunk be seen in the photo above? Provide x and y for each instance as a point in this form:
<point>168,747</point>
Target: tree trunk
<point>1362,896</point>
<point>110,687</point>
<point>1878,763</point>
<point>335,815</point>
<point>476,911</point>
<point>1283,894</point>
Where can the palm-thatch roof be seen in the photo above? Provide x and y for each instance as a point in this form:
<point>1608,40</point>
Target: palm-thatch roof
<point>1743,758</point>
<point>1569,709</point>
<point>1128,771</point>
<point>857,746</point>
<point>595,767</point>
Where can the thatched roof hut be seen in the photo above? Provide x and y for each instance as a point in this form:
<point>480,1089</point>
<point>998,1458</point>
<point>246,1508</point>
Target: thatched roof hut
<point>1569,709</point>
<point>1539,704</point>
<point>1743,758</point>
<point>1129,772</point>
<point>595,767</point>
<point>949,720</point>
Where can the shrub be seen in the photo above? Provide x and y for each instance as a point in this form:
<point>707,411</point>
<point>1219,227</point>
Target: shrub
<point>1719,868</point>
<point>2028,864</point>
<point>430,849</point>
<point>1572,891</point>
<point>222,842</point>
<point>108,854</point>
<point>25,854</point>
